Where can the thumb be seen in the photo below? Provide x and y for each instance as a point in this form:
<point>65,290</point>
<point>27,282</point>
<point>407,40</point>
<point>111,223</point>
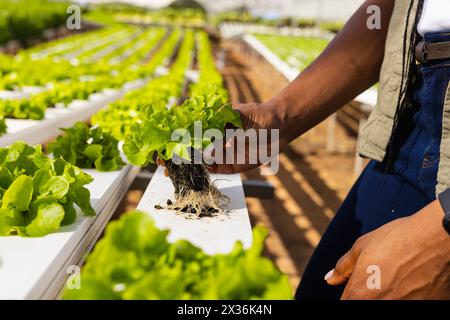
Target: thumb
<point>344,267</point>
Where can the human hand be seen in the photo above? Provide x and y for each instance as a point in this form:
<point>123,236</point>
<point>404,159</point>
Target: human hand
<point>257,117</point>
<point>410,256</point>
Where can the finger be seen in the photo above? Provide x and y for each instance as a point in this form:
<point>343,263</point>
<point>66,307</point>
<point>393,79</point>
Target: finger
<point>341,272</point>
<point>344,267</point>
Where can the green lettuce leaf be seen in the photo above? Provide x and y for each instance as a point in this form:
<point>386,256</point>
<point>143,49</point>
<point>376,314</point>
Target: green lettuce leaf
<point>39,194</point>
<point>154,134</point>
<point>19,193</point>
<point>81,197</point>
<point>49,214</point>
<point>56,186</point>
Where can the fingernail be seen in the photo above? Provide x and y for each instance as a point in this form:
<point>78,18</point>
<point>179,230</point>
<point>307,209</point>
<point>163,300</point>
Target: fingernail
<point>329,274</point>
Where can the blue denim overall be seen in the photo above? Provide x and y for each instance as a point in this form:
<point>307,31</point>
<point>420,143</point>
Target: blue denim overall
<point>379,197</point>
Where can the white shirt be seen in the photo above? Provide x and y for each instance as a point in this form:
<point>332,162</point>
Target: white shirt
<point>435,16</point>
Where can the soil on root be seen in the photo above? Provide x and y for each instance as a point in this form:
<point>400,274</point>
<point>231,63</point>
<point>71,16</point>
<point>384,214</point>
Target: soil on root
<point>195,194</point>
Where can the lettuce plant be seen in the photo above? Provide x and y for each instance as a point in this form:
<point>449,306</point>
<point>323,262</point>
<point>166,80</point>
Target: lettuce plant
<point>153,134</point>
<point>39,194</point>
<point>134,260</point>
<point>152,138</point>
<point>88,148</point>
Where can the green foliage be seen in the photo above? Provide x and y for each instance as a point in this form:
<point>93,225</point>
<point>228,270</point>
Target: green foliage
<point>153,134</point>
<point>298,52</point>
<point>118,117</point>
<point>45,64</point>
<point>37,193</point>
<point>25,72</point>
<point>24,19</point>
<point>162,55</point>
<point>65,85</point>
<point>134,260</point>
<point>62,92</point>
<point>3,126</point>
<point>306,23</point>
<point>209,74</point>
<point>88,148</point>
<point>22,109</point>
<point>154,121</point>
<point>183,17</point>
<point>235,16</point>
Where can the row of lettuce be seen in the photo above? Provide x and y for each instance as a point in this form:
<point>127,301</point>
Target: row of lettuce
<point>297,52</point>
<point>282,22</point>
<point>115,121</point>
<point>81,147</point>
<point>61,81</point>
<point>134,260</point>
<point>196,17</point>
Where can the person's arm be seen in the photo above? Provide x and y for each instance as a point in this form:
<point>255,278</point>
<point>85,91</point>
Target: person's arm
<point>349,65</point>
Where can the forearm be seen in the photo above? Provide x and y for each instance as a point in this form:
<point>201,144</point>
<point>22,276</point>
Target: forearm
<point>347,67</point>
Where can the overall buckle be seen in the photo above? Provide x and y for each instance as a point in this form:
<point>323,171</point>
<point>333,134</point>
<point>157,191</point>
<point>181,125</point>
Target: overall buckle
<point>421,52</point>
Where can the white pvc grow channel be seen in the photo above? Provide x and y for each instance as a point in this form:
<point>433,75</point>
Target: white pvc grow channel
<point>214,235</point>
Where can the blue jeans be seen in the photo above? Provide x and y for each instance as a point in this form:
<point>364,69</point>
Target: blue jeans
<point>379,197</point>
